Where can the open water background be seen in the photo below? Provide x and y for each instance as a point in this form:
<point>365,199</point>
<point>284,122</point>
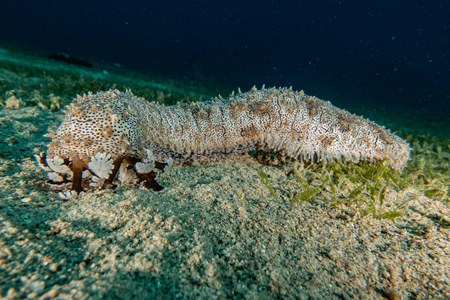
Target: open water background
<point>386,53</point>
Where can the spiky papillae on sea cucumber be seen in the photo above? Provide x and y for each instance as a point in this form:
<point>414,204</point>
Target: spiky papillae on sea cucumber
<point>114,136</point>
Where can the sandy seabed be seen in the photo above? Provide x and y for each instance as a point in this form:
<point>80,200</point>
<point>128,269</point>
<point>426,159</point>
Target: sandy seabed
<point>214,233</point>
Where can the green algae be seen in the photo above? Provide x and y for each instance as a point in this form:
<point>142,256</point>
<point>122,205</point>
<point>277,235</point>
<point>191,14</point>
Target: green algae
<point>366,185</point>
<point>265,180</point>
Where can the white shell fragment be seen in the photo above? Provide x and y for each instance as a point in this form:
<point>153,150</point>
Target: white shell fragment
<point>55,177</point>
<point>126,176</point>
<point>101,164</point>
<point>68,195</point>
<point>168,167</point>
<point>86,174</point>
<point>40,164</point>
<point>97,182</point>
<point>57,164</point>
<point>147,165</point>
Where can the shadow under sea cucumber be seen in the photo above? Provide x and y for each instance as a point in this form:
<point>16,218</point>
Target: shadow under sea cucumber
<point>117,137</point>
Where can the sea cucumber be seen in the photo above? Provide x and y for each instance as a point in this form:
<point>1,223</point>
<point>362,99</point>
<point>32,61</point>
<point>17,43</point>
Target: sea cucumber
<point>115,136</point>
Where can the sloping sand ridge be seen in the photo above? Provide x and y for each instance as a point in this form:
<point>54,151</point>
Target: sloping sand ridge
<point>213,233</point>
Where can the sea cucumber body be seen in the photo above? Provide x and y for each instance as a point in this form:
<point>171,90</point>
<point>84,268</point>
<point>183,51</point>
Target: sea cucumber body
<point>113,136</point>
<point>280,120</point>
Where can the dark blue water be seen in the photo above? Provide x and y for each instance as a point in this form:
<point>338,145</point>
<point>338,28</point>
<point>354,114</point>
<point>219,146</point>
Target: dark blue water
<point>385,52</point>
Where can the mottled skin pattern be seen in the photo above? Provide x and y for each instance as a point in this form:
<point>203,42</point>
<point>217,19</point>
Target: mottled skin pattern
<point>279,120</point>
